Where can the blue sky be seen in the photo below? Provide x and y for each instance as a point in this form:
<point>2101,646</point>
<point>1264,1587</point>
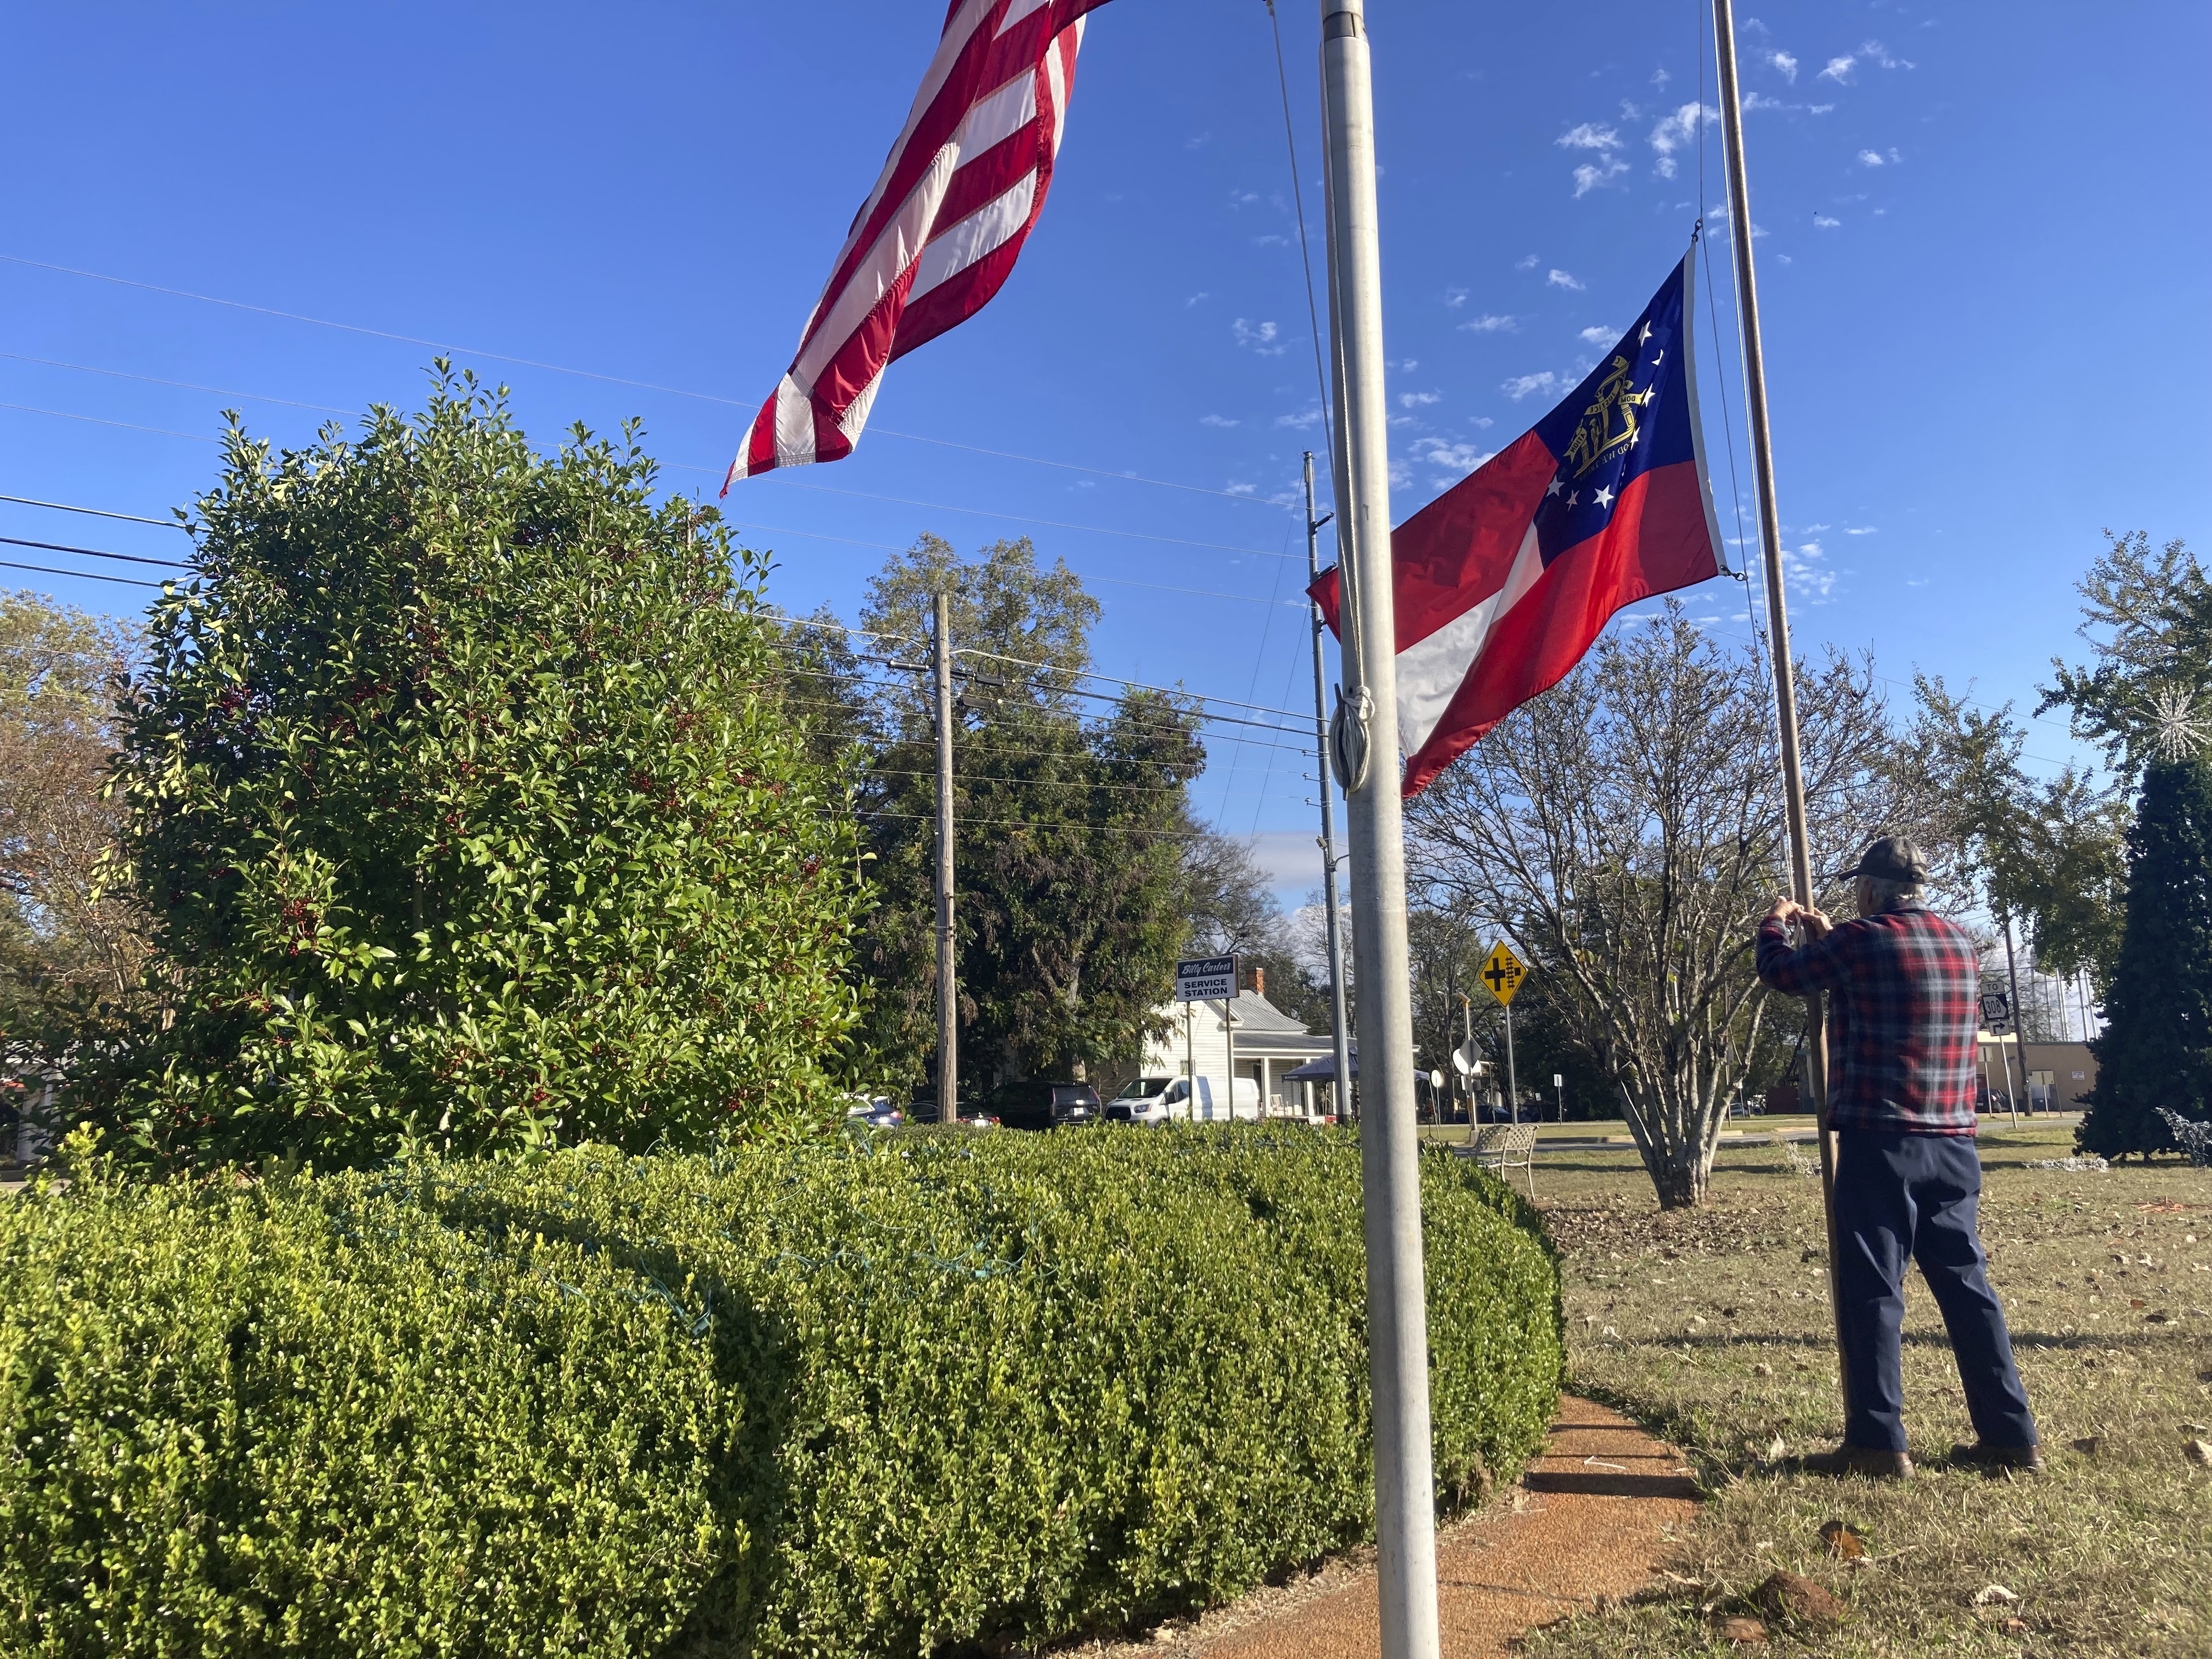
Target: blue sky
<point>1984,285</point>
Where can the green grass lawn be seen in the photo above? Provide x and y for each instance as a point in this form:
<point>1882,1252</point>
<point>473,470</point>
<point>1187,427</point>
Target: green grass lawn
<point>1598,1128</point>
<point>1715,1328</point>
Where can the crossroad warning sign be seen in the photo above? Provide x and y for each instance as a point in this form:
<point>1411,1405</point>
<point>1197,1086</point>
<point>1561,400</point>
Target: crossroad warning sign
<point>1503,973</point>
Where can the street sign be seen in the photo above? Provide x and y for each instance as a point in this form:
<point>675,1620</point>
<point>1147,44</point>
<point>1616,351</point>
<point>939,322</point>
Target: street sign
<point>1205,979</point>
<point>1466,1061</point>
<point>1503,973</point>
<point>1995,1005</point>
<point>1557,1082</point>
<point>1436,1080</point>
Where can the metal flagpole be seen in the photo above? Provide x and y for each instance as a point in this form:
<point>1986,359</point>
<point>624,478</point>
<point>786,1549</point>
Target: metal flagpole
<point>1777,618</point>
<point>2020,1021</point>
<point>1366,753</point>
<point>948,988</point>
<point>1340,1091</point>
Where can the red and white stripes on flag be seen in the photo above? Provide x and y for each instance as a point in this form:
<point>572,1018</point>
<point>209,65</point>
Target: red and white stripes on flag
<point>942,228</point>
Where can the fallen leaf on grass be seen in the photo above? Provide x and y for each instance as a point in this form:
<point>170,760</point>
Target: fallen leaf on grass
<point>1993,1593</point>
<point>2137,1302</point>
<point>1776,1450</point>
<point>1747,1631</point>
<point>2198,1452</point>
<point>1797,1599</point>
<point>1846,1542</point>
<point>1762,1369</point>
<point>2090,1445</point>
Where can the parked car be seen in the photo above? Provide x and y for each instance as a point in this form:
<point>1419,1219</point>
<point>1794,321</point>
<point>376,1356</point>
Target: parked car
<point>1043,1104</point>
<point>923,1110</point>
<point>874,1110</point>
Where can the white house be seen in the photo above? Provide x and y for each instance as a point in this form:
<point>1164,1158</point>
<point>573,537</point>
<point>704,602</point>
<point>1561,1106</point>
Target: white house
<point>1269,1042</point>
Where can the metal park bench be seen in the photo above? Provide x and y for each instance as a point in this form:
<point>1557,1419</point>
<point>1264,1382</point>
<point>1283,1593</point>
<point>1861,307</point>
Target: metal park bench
<point>1505,1146</point>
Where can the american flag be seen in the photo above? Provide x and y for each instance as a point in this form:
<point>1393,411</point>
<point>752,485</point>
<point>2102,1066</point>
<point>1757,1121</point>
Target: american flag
<point>942,228</point>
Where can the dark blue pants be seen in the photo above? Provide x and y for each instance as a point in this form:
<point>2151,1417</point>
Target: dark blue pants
<point>1902,1197</point>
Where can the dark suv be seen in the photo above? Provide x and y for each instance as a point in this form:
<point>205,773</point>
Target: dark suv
<point>1042,1104</point>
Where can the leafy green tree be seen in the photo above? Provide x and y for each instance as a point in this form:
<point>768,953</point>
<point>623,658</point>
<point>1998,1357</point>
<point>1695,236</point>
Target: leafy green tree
<point>2147,617</point>
<point>2156,1050</point>
<point>1071,823</point>
<point>464,804</point>
<point>70,952</point>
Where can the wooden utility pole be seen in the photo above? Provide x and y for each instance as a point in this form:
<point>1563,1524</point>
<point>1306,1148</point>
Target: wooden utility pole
<point>1777,618</point>
<point>948,986</point>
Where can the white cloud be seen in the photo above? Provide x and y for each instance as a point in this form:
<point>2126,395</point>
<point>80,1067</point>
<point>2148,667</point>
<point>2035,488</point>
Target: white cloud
<point>1242,489</point>
<point>1300,422</point>
<point>1591,176</point>
<point>1262,339</point>
<point>1862,530</point>
<point>1194,299</point>
<point>1527,263</point>
<point>1218,420</point>
<point>1806,574</point>
<point>1241,198</point>
<point>1870,158</point>
<point>1561,279</point>
<point>1678,132</point>
<point>1521,386</point>
<point>1589,135</point>
<point>1490,323</point>
<point>1418,399</point>
<point>1818,109</point>
<point>1659,78</point>
<point>1876,53</point>
<point>1839,68</point>
<point>1754,101</point>
<point>1271,241</point>
<point>1409,364</point>
<point>1600,336</point>
<point>1784,65</point>
<point>1823,221</point>
<point>1455,298</point>
<point>1458,459</point>
<point>1198,142</point>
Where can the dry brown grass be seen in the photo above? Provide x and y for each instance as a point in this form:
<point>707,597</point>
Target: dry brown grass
<point>1715,1328</point>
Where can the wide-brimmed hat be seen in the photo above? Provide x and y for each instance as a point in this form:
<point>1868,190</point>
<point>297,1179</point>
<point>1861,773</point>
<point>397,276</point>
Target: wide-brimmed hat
<point>1889,858</point>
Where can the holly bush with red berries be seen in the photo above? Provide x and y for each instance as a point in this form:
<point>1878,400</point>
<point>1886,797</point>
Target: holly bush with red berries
<point>459,796</point>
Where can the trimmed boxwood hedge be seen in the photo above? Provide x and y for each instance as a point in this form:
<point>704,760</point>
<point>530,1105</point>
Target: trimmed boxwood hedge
<point>885,1398</point>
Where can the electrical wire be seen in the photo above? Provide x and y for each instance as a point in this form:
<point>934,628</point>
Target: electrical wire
<point>91,552</point>
<point>558,368</point>
<point>181,386</point>
<point>128,426</point>
<point>81,576</point>
<point>95,512</point>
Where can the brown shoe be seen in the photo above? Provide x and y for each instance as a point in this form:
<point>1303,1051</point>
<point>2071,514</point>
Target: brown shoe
<point>1874,1464</point>
<point>1997,1460</point>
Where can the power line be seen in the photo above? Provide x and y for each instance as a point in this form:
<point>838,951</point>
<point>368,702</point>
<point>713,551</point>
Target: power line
<point>1085,673</point>
<point>1117,581</point>
<point>128,426</point>
<point>91,552</point>
<point>1022,518</point>
<point>551,368</point>
<point>81,576</point>
<point>1039,823</point>
<point>182,386</point>
<point>95,512</point>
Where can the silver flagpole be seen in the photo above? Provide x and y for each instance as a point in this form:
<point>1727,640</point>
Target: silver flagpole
<point>1777,620</point>
<point>1340,1033</point>
<point>1367,755</point>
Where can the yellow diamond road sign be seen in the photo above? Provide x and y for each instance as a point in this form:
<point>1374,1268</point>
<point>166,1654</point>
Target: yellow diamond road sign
<point>1503,973</point>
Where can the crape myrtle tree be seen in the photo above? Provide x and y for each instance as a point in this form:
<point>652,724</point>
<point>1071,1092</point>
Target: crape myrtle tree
<point>2147,618</point>
<point>1071,811</point>
<point>464,805</point>
<point>1626,831</point>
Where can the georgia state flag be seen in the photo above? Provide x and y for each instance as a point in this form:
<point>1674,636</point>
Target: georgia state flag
<point>1504,581</point>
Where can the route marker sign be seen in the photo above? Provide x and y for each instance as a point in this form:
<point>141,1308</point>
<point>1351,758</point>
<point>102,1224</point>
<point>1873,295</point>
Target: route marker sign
<point>1503,973</point>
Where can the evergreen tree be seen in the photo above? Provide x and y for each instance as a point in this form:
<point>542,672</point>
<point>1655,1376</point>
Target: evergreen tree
<point>463,801</point>
<point>2156,1050</point>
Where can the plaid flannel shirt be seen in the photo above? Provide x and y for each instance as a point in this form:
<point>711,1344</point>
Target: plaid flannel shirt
<point>1904,988</point>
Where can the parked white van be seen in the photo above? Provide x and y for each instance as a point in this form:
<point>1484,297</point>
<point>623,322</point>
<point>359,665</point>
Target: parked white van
<point>1162,1100</point>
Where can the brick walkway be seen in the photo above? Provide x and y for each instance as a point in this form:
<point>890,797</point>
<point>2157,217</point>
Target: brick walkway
<point>1593,1517</point>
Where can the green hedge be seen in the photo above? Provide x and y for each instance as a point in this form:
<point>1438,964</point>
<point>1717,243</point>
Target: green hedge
<point>881,1399</point>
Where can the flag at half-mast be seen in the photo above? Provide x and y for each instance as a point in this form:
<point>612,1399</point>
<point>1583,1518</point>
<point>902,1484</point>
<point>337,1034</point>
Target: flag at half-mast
<point>1504,582</point>
<point>942,228</point>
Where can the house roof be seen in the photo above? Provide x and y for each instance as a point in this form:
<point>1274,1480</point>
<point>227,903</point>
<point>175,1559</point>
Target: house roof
<point>1255,1013</point>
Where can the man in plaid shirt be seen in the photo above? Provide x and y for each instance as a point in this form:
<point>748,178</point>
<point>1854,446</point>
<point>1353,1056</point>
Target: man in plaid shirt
<point>1905,989</point>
